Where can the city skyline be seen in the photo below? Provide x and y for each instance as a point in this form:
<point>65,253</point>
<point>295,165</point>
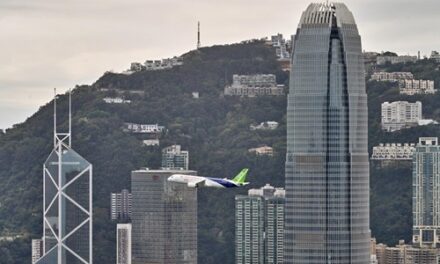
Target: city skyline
<point>75,42</point>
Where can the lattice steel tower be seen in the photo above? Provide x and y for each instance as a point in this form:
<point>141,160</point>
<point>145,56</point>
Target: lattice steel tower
<point>327,166</point>
<point>67,232</point>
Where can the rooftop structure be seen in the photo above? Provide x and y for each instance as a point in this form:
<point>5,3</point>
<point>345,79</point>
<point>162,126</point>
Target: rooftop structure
<point>393,151</point>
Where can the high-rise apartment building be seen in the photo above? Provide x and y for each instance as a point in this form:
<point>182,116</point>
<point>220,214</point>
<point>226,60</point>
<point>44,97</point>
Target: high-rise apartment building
<point>121,205</point>
<point>173,157</point>
<point>327,165</point>
<point>164,218</point>
<point>259,226</point>
<point>123,244</point>
<point>37,250</point>
<point>426,193</point>
<point>400,114</point>
<point>67,205</point>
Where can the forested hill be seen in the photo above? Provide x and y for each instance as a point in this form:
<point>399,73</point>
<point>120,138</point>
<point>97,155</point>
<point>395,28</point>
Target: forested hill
<point>214,128</point>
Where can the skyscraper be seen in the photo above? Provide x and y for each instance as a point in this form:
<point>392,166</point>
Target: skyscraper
<point>259,226</point>
<point>123,244</point>
<point>164,218</point>
<point>173,157</point>
<point>426,193</point>
<point>327,167</point>
<point>67,214</point>
<point>121,205</point>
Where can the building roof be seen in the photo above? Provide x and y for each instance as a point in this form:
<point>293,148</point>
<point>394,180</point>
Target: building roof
<point>322,13</point>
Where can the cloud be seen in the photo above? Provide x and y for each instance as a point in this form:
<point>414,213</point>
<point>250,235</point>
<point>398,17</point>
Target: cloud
<point>51,43</point>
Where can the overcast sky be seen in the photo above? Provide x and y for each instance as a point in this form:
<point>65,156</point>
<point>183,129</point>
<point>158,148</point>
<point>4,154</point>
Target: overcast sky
<point>60,43</point>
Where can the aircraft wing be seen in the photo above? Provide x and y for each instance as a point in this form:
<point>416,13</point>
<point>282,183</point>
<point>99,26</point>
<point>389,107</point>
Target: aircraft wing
<point>197,183</point>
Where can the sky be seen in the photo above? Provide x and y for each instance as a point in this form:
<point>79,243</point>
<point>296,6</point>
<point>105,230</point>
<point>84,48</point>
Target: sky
<point>60,43</point>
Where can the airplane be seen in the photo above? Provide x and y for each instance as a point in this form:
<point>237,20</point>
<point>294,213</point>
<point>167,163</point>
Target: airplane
<point>199,181</point>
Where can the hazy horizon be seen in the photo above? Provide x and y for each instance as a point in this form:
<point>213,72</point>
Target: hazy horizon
<point>49,44</point>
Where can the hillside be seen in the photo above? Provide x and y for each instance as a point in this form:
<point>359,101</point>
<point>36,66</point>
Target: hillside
<point>215,129</point>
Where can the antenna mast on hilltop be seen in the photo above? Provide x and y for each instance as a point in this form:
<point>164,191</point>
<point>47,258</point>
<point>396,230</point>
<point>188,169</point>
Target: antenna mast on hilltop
<point>198,36</point>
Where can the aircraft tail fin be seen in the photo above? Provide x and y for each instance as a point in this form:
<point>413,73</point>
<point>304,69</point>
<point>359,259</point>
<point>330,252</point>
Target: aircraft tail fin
<point>241,177</point>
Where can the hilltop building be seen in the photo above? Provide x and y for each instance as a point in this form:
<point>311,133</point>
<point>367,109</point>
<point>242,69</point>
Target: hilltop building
<point>426,193</point>
<point>116,100</point>
<point>327,176</point>
<point>405,254</point>
<point>254,85</point>
<point>121,205</point>
<point>164,218</point>
<point>370,57</point>
<point>67,207</point>
<point>262,151</point>
<point>400,114</point>
<point>411,87</point>
<point>151,142</point>
<point>259,226</point>
<point>435,55</point>
<point>382,60</point>
<point>393,151</point>
<point>267,125</point>
<point>143,128</point>
<point>282,46</point>
<point>391,76</point>
<point>123,244</point>
<point>173,157</point>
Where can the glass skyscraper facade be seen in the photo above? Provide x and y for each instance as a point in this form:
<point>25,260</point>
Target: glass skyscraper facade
<point>426,193</point>
<point>164,218</point>
<point>327,166</point>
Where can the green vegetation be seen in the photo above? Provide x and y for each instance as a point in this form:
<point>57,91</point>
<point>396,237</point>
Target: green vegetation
<point>215,129</point>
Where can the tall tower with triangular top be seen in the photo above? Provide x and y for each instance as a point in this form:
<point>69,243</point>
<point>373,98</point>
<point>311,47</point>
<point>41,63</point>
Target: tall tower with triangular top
<point>67,202</point>
<point>199,44</point>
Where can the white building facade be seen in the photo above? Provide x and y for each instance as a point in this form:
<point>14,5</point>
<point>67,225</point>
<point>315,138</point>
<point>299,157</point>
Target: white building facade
<point>400,114</point>
<point>121,204</point>
<point>391,76</point>
<point>37,250</point>
<point>393,151</point>
<point>123,244</point>
<point>254,85</point>
<point>411,87</point>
